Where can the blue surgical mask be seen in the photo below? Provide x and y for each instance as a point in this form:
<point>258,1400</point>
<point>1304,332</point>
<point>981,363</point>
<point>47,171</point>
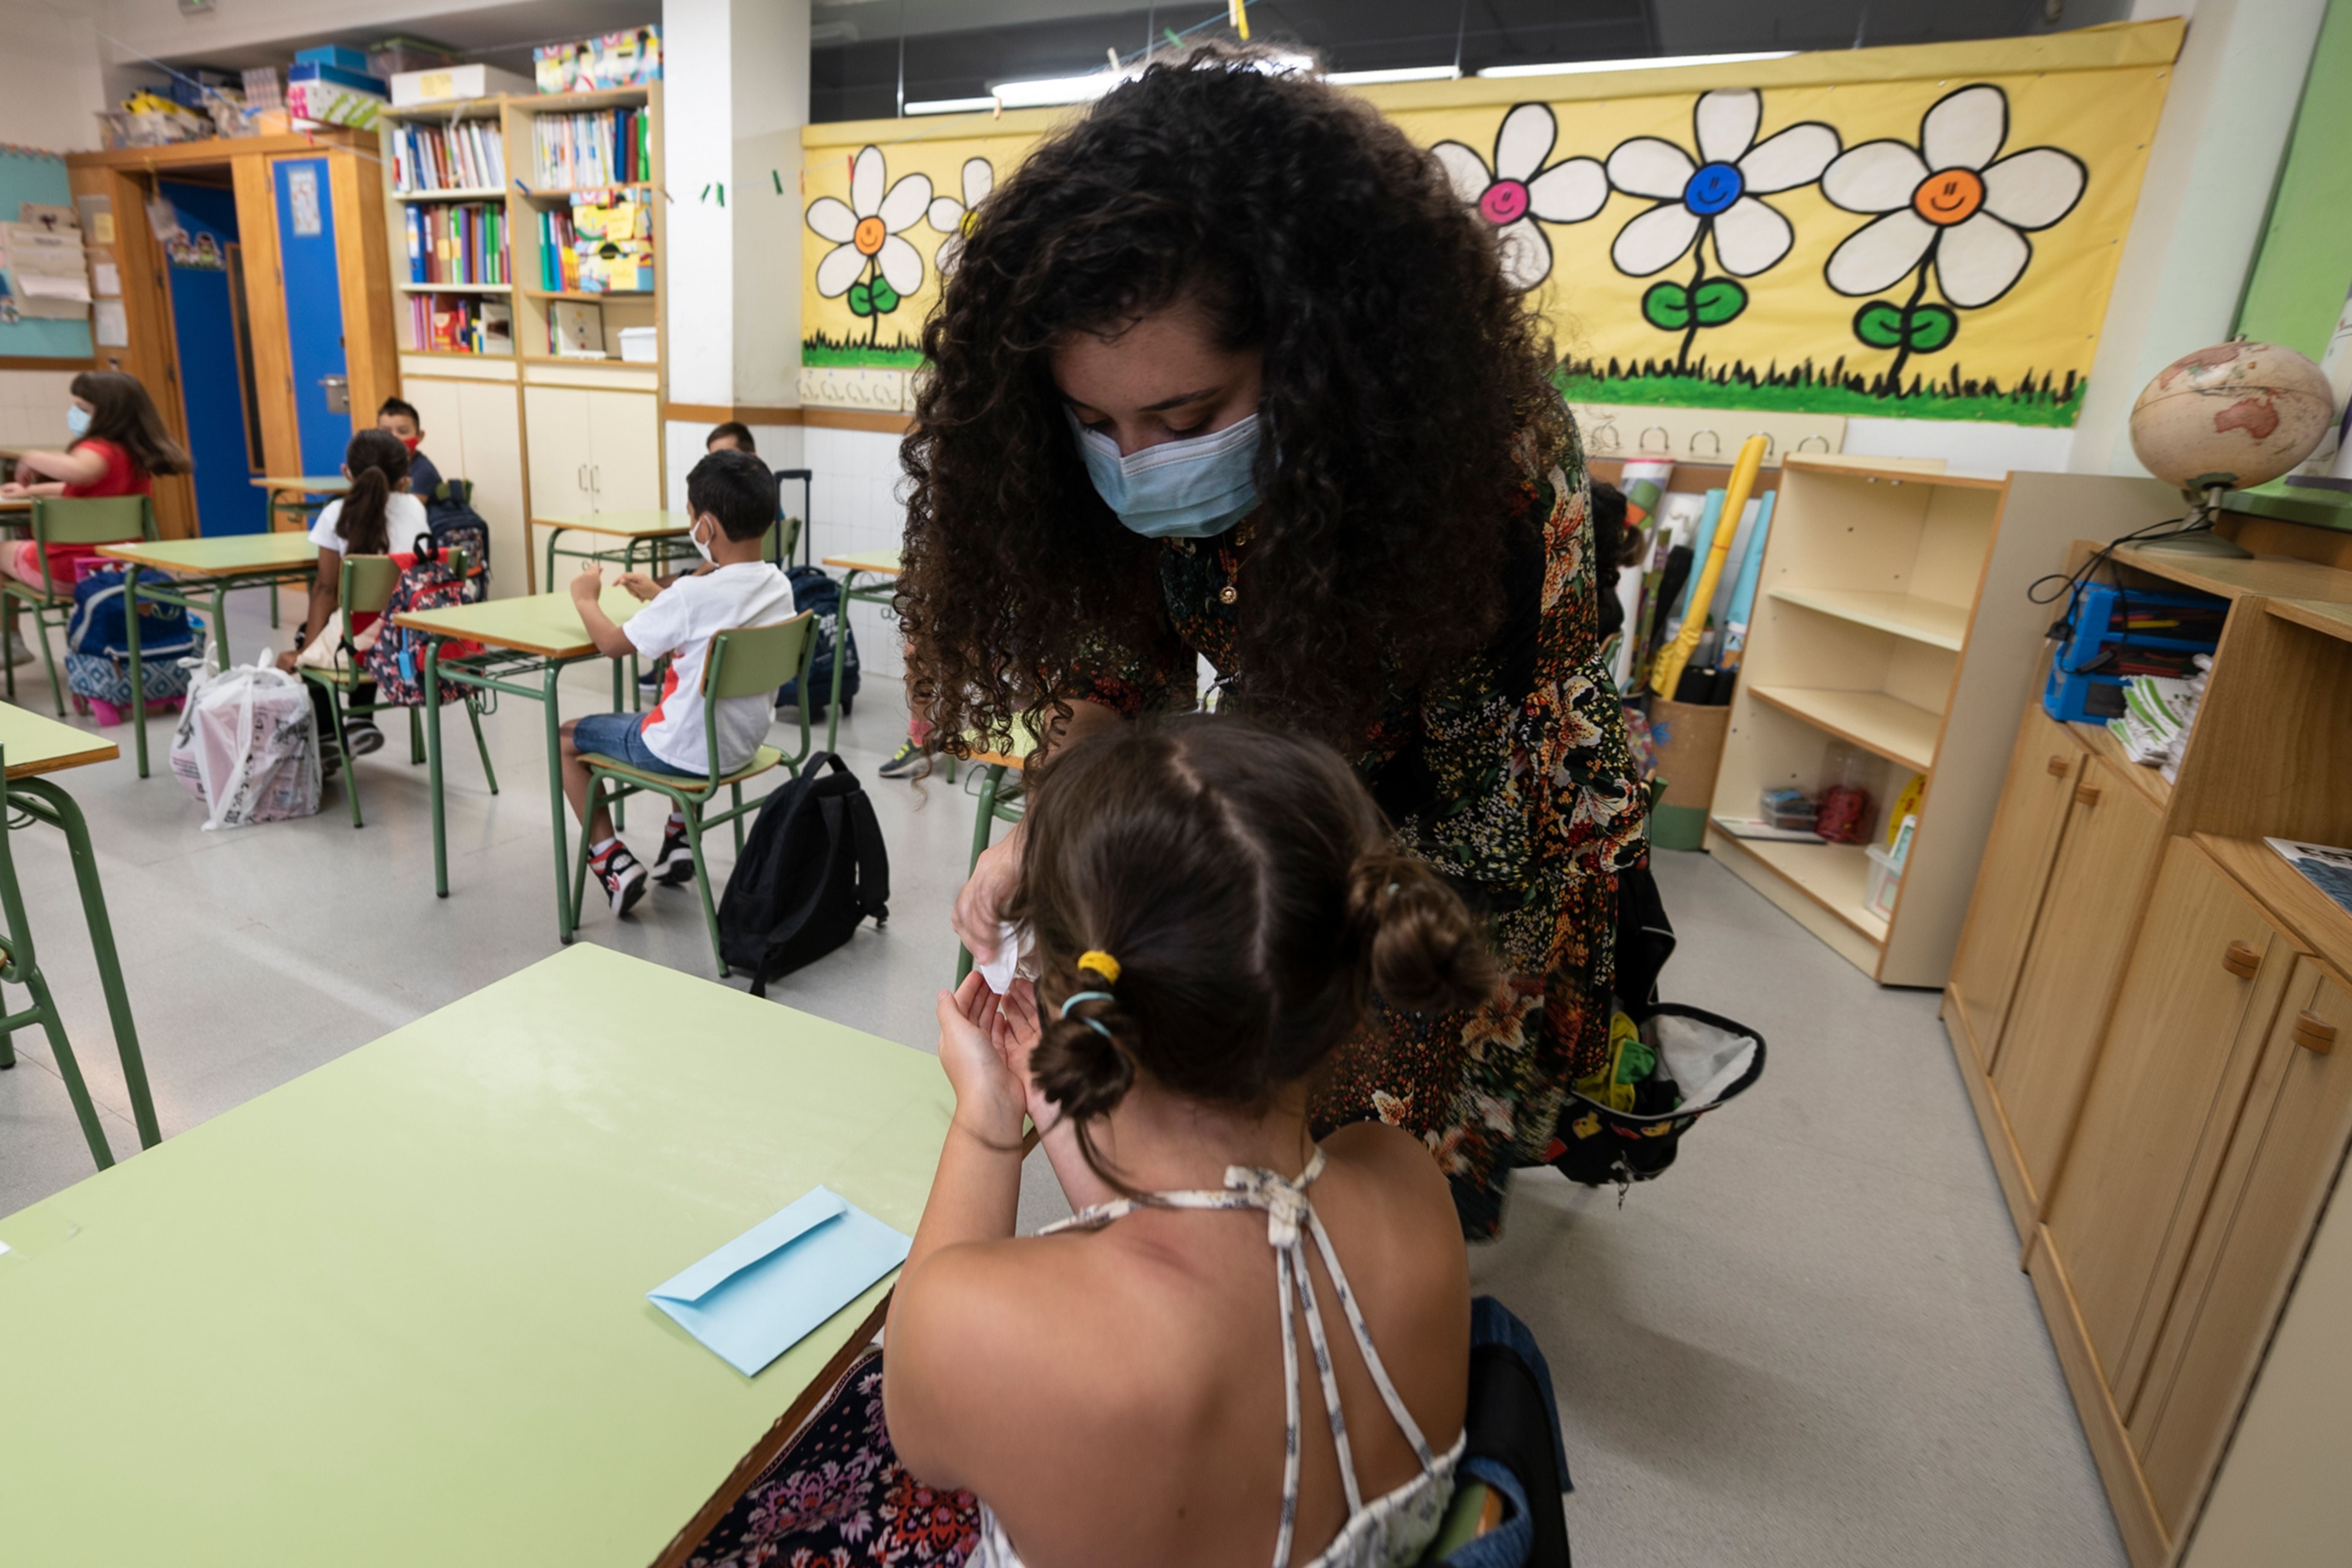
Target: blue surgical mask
<point>78,420</point>
<point>1197,488</point>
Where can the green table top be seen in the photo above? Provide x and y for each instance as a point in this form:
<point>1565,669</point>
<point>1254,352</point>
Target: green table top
<point>885,560</point>
<point>394,1313</point>
<point>626,524</point>
<point>223,556</point>
<point>548,625</point>
<point>35,744</point>
<point>315,484</point>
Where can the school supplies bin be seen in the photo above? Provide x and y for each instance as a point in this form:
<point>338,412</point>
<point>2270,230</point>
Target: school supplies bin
<point>2101,649</point>
<point>1885,880</point>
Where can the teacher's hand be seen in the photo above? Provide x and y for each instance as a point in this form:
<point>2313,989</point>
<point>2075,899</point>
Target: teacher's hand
<point>990,884</point>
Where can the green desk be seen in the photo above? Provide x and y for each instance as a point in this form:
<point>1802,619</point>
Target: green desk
<point>649,538</point>
<point>33,744</point>
<point>882,565</point>
<point>205,569</point>
<point>392,1313</point>
<point>538,636</point>
<point>301,496</point>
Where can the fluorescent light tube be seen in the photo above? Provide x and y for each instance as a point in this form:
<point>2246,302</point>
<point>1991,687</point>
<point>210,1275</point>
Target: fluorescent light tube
<point>1398,73</point>
<point>1651,63</point>
<point>1049,92</point>
<point>950,105</point>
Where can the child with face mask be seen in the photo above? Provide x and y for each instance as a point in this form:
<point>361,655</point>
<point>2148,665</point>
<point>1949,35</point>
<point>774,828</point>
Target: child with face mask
<point>731,498</point>
<point>399,419</point>
<point>120,445</point>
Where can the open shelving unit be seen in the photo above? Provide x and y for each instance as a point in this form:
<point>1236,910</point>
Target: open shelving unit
<point>1892,617</point>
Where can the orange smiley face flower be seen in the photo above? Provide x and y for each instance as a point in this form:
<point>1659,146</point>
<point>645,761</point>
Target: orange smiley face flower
<point>867,231</point>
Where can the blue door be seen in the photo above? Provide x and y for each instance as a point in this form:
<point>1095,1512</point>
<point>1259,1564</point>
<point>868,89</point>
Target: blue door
<point>314,312</point>
<point>212,389</point>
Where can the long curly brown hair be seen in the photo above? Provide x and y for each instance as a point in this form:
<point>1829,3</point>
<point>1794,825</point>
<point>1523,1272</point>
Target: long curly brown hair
<point>1400,375</point>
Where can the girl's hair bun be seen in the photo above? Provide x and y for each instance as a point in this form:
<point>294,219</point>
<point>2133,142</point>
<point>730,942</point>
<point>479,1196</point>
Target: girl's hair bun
<point>1085,1069</point>
<point>1428,954</point>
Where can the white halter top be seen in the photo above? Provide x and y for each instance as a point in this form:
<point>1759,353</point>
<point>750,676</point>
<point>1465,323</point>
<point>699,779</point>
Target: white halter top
<point>1389,1532</point>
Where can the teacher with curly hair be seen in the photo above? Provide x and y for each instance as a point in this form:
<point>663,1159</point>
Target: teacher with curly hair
<point>1226,371</point>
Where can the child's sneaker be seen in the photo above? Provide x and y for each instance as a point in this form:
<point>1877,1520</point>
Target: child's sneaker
<point>363,737</point>
<point>907,761</point>
<point>623,878</point>
<point>674,867</point>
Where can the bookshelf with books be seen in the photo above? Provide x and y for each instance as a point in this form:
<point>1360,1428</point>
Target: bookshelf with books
<point>526,234</point>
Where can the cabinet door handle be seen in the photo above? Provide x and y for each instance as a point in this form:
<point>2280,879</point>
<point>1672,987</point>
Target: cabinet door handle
<point>583,476</point>
<point>2240,960</point>
<point>2060,767</point>
<point>2086,795</point>
<point>2314,1033</point>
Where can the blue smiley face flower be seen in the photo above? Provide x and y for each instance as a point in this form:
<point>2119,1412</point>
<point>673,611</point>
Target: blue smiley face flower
<point>1715,193</point>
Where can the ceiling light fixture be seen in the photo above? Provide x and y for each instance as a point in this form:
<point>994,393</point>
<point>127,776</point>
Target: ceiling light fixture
<point>1651,63</point>
<point>1398,73</point>
<point>950,105</point>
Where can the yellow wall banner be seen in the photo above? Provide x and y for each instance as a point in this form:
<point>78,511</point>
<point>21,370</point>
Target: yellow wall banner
<point>1927,232</point>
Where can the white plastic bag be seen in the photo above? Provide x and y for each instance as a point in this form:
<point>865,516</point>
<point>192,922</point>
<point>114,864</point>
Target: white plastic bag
<point>247,745</point>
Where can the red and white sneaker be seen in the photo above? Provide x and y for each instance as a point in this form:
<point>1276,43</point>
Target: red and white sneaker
<point>623,878</point>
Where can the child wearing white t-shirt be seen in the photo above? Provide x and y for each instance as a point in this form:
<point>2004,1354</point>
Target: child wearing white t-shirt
<point>377,517</point>
<point>731,498</point>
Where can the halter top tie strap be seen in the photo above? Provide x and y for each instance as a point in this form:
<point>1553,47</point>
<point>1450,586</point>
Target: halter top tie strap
<point>1290,1219</point>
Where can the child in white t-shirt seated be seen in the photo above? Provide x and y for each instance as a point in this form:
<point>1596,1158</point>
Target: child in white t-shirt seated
<point>731,498</point>
<point>377,517</point>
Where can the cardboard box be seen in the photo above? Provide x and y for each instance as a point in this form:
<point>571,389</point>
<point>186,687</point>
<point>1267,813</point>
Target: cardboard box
<point>334,55</point>
<point>331,103</point>
<point>447,84</point>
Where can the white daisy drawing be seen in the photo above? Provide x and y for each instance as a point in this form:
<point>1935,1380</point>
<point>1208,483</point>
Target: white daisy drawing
<point>1717,192</point>
<point>1953,200</point>
<point>1519,189</point>
<point>954,218</point>
<point>869,261</point>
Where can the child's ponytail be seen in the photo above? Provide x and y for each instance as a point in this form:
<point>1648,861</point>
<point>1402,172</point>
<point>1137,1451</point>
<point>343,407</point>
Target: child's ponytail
<point>378,462</point>
<point>1427,953</point>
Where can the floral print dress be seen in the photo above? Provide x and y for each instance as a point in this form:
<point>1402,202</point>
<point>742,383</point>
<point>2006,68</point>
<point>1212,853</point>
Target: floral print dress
<point>1512,778</point>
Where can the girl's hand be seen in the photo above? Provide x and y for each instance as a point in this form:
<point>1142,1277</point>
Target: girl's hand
<point>990,1100</point>
<point>1015,1036</point>
<point>12,490</point>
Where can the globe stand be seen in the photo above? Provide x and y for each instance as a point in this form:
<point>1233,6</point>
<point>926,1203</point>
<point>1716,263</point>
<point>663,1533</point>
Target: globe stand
<point>2197,537</point>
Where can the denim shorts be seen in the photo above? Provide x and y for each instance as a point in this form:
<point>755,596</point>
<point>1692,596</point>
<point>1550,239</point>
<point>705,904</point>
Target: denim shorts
<point>619,736</point>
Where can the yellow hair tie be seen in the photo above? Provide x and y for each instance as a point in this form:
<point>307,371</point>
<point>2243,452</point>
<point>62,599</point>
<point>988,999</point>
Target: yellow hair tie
<point>1102,963</point>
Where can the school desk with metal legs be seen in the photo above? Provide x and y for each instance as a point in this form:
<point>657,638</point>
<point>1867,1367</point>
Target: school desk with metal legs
<point>882,565</point>
<point>203,570</point>
<point>299,499</point>
<point>32,744</point>
<point>538,636</point>
<point>394,1313</point>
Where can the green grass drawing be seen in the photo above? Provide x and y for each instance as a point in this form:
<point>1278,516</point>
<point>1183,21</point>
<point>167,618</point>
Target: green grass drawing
<point>1806,388</point>
<point>824,350</point>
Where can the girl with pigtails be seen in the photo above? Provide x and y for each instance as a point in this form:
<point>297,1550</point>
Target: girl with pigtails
<point>1214,905</point>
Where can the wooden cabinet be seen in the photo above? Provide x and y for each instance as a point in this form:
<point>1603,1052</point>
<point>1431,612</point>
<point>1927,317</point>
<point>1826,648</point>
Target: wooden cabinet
<point>557,417</point>
<point>473,431</point>
<point>593,449</point>
<point>2043,769</point>
<point>2284,1156</point>
<point>2196,1004</point>
<point>2042,1059</point>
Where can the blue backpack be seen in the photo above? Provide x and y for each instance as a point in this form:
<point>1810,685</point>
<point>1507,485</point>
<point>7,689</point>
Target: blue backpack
<point>97,644</point>
<point>813,590</point>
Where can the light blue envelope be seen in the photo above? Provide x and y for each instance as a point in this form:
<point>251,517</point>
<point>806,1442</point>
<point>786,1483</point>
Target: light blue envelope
<point>757,1296</point>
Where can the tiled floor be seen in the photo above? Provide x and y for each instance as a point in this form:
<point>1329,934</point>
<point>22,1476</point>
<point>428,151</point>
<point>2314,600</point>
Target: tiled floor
<point>1806,1343</point>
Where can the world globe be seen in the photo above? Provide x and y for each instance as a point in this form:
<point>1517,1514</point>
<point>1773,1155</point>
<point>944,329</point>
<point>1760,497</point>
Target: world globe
<point>2236,415</point>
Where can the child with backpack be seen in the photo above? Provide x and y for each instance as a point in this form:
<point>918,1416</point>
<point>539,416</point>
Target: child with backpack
<point>120,445</point>
<point>377,517</point>
<point>730,499</point>
<point>1212,904</point>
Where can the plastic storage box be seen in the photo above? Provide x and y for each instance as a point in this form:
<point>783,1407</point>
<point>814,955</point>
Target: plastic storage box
<point>2085,683</point>
<point>1885,883</point>
<point>640,345</point>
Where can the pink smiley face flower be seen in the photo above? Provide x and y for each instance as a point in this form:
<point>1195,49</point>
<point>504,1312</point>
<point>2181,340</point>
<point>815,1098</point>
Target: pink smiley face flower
<point>1520,189</point>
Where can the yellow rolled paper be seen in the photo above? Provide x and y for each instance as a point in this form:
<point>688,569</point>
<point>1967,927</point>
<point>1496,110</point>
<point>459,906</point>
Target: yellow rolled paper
<point>1668,669</point>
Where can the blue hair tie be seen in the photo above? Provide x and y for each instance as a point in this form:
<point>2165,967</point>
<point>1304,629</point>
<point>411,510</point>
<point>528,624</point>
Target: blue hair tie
<point>1097,1024</point>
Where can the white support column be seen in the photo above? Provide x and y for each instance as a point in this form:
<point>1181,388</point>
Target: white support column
<point>2228,113</point>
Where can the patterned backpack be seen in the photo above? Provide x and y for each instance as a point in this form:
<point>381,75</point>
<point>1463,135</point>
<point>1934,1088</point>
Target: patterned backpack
<point>397,662</point>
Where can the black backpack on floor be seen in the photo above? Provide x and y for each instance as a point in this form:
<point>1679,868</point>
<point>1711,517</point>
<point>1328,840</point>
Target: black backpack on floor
<point>813,869</point>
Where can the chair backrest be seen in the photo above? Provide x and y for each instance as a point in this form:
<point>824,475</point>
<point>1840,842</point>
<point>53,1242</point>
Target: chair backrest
<point>367,585</point>
<point>783,537</point>
<point>755,660</point>
<point>92,520</point>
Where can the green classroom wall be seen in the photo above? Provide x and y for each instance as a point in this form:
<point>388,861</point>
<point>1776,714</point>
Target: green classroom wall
<point>2305,267</point>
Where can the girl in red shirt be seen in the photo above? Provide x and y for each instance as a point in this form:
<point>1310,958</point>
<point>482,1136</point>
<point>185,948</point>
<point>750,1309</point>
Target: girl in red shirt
<point>120,445</point>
